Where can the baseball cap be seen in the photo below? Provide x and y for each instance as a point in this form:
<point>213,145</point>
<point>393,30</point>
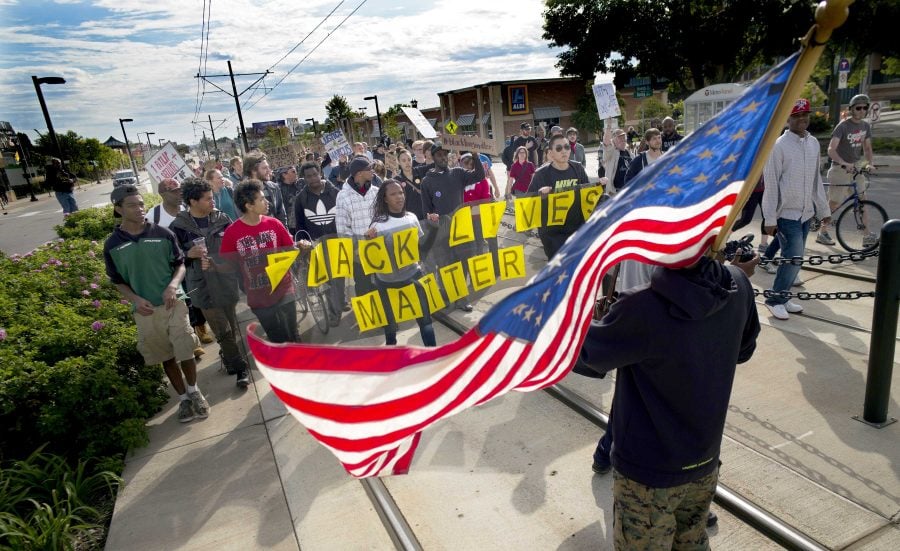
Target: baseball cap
<point>358,164</point>
<point>437,147</point>
<point>800,106</point>
<point>525,125</point>
<point>168,184</point>
<point>120,193</point>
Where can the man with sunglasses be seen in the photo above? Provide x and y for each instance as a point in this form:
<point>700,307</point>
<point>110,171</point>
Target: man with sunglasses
<point>559,175</point>
<point>850,141</point>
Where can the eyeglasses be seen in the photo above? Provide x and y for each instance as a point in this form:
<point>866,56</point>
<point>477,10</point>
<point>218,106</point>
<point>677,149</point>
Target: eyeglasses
<point>861,108</point>
<point>561,148</point>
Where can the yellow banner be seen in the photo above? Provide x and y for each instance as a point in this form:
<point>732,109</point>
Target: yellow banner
<point>528,213</point>
<point>278,265</point>
<point>405,303</point>
<point>491,214</point>
<point>454,279</point>
<point>558,205</point>
<point>461,228</point>
<point>432,293</point>
<point>406,247</point>
<point>369,311</point>
<point>589,198</point>
<point>481,271</point>
<point>512,262</point>
<point>318,271</point>
<point>373,255</point>
<point>340,256</point>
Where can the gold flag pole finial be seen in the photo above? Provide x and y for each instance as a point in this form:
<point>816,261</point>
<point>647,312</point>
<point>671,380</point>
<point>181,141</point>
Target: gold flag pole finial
<point>830,15</point>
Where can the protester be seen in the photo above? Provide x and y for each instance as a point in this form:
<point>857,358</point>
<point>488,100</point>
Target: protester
<point>793,195</point>
<point>289,185</point>
<point>851,140</point>
<point>389,217</point>
<point>62,182</point>
<point>146,265</point>
<point>560,174</point>
<point>418,150</point>
<point>412,186</point>
<point>670,135</point>
<point>475,193</point>
<point>540,136</point>
<point>199,232</point>
<point>236,171</point>
<point>526,140</point>
<point>653,139</point>
<point>616,157</point>
<point>666,441</point>
<point>353,212</point>
<point>245,245</point>
<point>442,194</point>
<point>520,174</point>
<point>222,194</point>
<point>577,149</point>
<point>256,166</point>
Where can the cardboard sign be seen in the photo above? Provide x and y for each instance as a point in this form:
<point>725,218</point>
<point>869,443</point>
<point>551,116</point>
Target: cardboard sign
<point>468,143</point>
<point>167,163</point>
<point>336,144</point>
<point>284,155</point>
<point>420,122</point>
<point>294,126</point>
<point>605,97</point>
<point>391,163</point>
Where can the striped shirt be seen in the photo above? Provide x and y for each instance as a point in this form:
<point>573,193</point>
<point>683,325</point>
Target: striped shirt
<point>794,190</point>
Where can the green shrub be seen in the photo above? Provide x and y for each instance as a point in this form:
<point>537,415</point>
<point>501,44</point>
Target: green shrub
<point>47,504</point>
<point>886,146</point>
<point>96,223</point>
<point>70,373</point>
<point>818,123</point>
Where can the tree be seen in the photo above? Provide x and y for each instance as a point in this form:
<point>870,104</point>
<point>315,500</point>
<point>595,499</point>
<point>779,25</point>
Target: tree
<point>690,42</point>
<point>338,110</point>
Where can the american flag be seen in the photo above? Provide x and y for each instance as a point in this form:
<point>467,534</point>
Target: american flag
<point>370,405</point>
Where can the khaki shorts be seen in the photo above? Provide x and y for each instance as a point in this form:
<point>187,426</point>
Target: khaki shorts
<point>839,187</point>
<point>166,334</point>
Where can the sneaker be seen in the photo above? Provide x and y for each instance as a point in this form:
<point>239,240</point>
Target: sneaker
<point>797,282</point>
<point>792,307</point>
<point>770,268</point>
<point>602,466</point>
<point>198,352</point>
<point>201,406</point>
<point>870,240</point>
<point>464,306</point>
<point>762,248</point>
<point>243,378</point>
<point>185,411</point>
<point>824,238</point>
<point>711,519</point>
<point>778,310</point>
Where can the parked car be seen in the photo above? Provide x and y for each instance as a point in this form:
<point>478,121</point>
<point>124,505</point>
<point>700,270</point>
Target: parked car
<point>122,177</point>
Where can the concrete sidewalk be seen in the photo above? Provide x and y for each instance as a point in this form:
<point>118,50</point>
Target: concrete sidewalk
<point>516,471</point>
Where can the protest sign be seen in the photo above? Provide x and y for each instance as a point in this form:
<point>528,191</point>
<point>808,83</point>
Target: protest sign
<point>420,122</point>
<point>336,145</point>
<point>468,143</point>
<point>167,163</point>
<point>391,163</point>
<point>283,155</point>
<point>605,97</point>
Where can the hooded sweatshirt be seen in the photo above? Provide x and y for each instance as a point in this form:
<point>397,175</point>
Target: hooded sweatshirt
<point>676,344</point>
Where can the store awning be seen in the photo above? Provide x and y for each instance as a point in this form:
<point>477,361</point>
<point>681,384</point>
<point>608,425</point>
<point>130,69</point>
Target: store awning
<point>544,113</point>
<point>465,120</point>
<point>486,118</point>
<point>432,122</point>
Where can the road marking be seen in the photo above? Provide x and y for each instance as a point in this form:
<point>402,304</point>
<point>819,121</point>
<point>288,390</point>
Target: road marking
<point>98,205</point>
<point>27,214</point>
<point>802,436</point>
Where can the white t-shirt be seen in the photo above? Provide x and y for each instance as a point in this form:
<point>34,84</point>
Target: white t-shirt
<point>387,229</point>
<point>165,219</point>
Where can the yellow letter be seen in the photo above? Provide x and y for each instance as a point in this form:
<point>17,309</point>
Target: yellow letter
<point>481,270</point>
<point>528,213</point>
<point>318,271</point>
<point>454,280</point>
<point>512,262</point>
<point>491,213</point>
<point>461,228</point>
<point>340,254</point>
<point>589,198</point>
<point>278,265</point>
<point>558,205</point>
<point>433,293</point>
<point>369,311</point>
<point>405,303</point>
<point>406,247</point>
<point>373,256</point>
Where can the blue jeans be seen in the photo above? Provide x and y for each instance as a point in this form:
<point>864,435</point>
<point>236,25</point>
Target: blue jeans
<point>791,235</point>
<point>67,201</point>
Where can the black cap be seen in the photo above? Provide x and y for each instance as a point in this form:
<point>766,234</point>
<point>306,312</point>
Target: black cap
<point>120,193</point>
<point>437,147</point>
<point>358,164</point>
<point>525,125</point>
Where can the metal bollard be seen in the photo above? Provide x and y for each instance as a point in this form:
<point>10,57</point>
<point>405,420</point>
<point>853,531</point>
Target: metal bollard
<point>884,329</point>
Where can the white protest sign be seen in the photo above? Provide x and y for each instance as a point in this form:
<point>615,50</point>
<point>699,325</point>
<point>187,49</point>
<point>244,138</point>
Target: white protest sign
<point>336,145</point>
<point>420,122</point>
<point>167,163</point>
<point>605,96</point>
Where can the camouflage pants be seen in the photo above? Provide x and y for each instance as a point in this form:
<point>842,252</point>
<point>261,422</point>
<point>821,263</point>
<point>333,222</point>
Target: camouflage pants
<point>646,518</point>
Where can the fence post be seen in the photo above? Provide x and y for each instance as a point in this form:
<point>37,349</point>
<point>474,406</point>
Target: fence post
<point>884,328</point>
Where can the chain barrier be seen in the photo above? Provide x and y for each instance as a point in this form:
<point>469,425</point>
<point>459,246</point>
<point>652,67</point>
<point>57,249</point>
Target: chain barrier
<point>817,260</point>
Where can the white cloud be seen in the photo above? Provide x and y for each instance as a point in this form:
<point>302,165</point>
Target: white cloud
<point>140,61</point>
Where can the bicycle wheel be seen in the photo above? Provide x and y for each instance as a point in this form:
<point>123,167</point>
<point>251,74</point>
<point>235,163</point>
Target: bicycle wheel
<point>858,226</point>
<point>301,291</point>
<point>319,308</point>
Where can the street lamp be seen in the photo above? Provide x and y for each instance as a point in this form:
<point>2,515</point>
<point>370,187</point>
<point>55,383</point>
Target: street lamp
<point>148,134</point>
<point>378,116</point>
<point>161,142</point>
<point>37,87</point>
<point>414,103</point>
<point>315,126</point>
<point>128,147</point>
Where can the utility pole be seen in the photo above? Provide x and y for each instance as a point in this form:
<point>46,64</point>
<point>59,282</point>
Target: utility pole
<point>235,95</point>
<point>206,144</point>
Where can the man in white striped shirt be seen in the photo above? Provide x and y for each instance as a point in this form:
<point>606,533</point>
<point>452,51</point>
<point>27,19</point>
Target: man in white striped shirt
<point>353,212</point>
<point>794,194</point>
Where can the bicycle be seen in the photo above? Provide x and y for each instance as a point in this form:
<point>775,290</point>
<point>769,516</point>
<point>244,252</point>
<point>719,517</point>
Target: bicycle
<point>856,227</point>
<point>315,302</point>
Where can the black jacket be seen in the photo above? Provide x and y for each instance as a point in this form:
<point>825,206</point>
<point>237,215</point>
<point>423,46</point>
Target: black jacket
<point>315,213</point>
<point>207,288</point>
<point>442,190</point>
<point>676,344</point>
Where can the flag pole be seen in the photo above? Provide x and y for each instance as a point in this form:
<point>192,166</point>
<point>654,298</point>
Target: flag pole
<point>830,14</point>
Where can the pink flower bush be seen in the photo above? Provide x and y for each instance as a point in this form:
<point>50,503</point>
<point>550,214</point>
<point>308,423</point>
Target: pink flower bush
<point>96,304</point>
<point>86,293</point>
<point>98,325</point>
<point>2,334</point>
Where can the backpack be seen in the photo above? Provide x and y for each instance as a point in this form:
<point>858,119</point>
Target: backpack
<point>507,155</point>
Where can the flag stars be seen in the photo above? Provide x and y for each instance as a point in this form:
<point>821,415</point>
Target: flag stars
<point>714,129</point>
<point>528,313</point>
<point>701,178</point>
<point>739,135</point>
<point>676,169</point>
<point>674,190</point>
<point>519,309</point>
<point>556,261</point>
<point>545,296</point>
<point>730,159</point>
<point>562,277</point>
<point>753,106</point>
<point>723,178</point>
<point>538,320</point>
<point>706,154</point>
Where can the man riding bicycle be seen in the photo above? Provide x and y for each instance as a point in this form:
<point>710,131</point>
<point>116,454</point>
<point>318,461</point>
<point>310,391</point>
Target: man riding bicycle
<point>850,141</point>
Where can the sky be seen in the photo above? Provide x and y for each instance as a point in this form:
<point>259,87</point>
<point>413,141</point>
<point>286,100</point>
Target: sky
<point>138,59</point>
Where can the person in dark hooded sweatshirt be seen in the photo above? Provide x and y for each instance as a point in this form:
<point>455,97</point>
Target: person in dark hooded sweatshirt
<point>676,344</point>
